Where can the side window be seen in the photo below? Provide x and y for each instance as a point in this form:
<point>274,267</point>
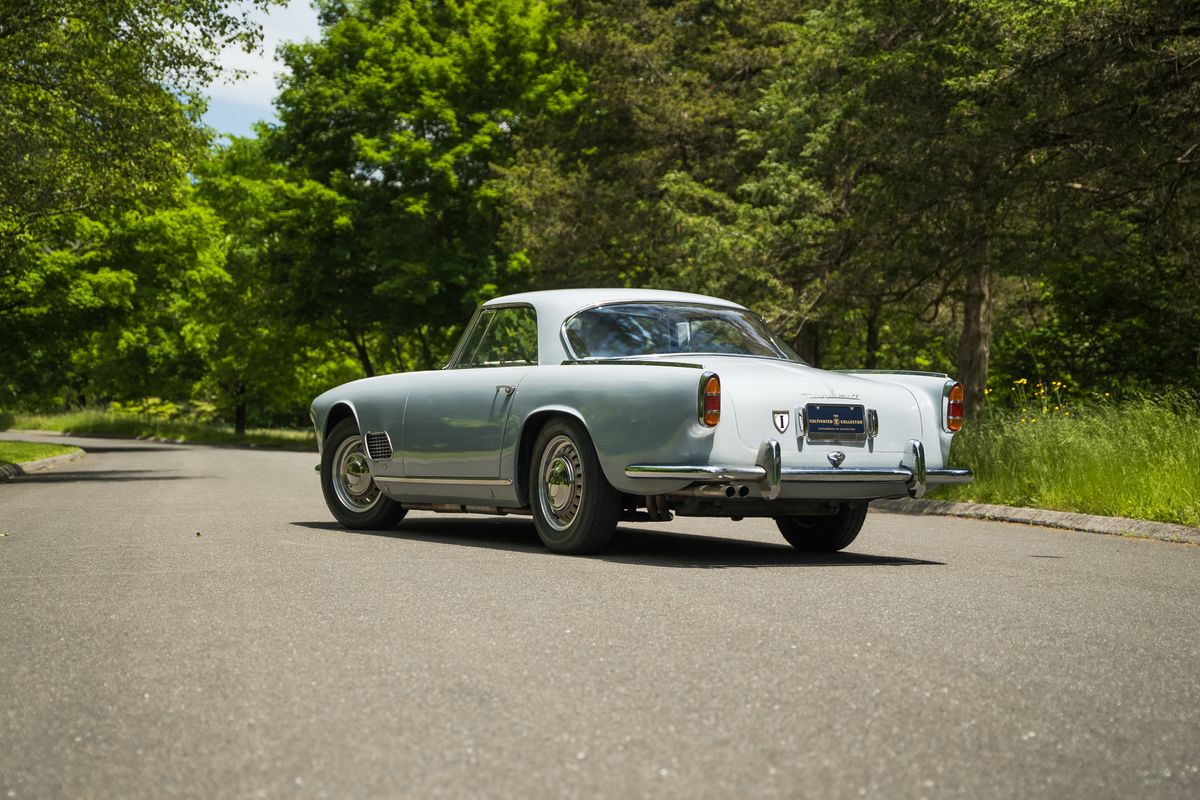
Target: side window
<point>502,337</point>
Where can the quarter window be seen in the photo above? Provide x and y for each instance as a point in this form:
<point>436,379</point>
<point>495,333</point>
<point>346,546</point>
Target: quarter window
<point>502,337</point>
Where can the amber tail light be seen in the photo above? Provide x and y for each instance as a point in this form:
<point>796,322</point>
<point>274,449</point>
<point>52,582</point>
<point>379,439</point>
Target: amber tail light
<point>955,407</point>
<point>710,399</point>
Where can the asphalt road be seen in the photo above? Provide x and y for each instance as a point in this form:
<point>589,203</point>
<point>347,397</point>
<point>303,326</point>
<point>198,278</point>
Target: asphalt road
<point>278,655</point>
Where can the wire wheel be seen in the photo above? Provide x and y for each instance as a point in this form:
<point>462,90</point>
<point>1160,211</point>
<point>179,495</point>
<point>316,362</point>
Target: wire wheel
<point>352,481</point>
<point>560,482</point>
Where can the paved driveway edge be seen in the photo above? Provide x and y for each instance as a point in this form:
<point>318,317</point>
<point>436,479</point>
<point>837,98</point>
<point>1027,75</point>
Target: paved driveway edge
<point>1115,526</point>
<point>8,471</point>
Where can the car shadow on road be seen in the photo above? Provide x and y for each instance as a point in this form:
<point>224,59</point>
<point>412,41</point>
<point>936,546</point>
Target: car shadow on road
<point>114,475</point>
<point>133,448</point>
<point>629,545</point>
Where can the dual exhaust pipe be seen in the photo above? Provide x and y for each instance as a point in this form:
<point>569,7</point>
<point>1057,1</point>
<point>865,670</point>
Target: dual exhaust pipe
<point>728,491</point>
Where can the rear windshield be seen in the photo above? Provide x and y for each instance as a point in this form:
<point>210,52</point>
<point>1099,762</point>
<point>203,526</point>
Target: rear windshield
<point>649,329</point>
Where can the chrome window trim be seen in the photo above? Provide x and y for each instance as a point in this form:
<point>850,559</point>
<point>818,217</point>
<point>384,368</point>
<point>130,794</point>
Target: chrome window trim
<point>950,384</point>
<point>456,358</point>
<point>566,344</point>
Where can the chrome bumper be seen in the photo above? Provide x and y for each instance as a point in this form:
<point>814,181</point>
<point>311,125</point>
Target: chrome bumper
<point>769,473</point>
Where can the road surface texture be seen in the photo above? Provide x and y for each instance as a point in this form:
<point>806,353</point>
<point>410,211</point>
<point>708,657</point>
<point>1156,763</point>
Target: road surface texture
<point>278,655</point>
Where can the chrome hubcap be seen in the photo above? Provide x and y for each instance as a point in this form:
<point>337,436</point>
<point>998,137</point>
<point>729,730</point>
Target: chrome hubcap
<point>352,481</point>
<point>560,484</point>
<point>560,477</point>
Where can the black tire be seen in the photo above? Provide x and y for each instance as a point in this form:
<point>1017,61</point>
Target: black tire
<point>827,533</point>
<point>575,510</point>
<point>350,491</point>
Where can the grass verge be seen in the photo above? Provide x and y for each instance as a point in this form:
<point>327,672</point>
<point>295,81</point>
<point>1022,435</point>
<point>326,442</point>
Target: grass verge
<point>1134,459</point>
<point>22,452</point>
<point>141,426</point>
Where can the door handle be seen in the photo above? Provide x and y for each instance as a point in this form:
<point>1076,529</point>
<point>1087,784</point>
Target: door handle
<point>508,390</point>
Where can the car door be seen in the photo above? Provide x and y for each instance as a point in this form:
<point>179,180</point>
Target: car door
<point>454,421</point>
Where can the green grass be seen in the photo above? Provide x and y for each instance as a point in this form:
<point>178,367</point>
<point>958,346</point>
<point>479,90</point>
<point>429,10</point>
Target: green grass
<point>21,452</point>
<point>142,426</point>
<point>1136,459</point>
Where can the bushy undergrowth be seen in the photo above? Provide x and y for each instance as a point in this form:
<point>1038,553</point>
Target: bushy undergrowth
<point>147,426</point>
<point>1133,458</point>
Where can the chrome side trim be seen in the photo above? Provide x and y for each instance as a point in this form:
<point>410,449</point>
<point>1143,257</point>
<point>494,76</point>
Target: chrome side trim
<point>447,481</point>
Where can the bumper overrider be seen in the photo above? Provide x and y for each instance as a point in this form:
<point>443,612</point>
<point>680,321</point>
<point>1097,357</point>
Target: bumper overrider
<point>769,473</point>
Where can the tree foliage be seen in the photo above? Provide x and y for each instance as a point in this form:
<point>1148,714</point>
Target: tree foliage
<point>400,111</point>
<point>1000,189</point>
<point>99,99</point>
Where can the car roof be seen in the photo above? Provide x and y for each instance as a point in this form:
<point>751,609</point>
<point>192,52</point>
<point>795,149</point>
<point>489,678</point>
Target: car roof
<point>562,303</point>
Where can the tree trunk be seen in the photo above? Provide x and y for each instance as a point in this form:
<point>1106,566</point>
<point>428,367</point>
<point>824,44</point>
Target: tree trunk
<point>364,358</point>
<point>975,345</point>
<point>874,312</point>
<point>239,418</point>
<point>807,343</point>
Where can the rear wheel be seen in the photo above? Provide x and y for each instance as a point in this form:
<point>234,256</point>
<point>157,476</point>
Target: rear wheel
<point>824,533</point>
<point>350,490</point>
<point>575,510</point>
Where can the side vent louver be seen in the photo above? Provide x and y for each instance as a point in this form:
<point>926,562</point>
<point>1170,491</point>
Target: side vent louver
<point>379,446</point>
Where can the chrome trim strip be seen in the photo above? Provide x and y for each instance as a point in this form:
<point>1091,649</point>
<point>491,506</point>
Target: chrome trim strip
<point>847,474</point>
<point>701,396</point>
<point>942,476</point>
<point>914,459</point>
<point>725,474</point>
<point>720,474</point>
<point>770,459</point>
<point>634,360</point>
<point>447,481</point>
<point>708,473</point>
<point>917,372</point>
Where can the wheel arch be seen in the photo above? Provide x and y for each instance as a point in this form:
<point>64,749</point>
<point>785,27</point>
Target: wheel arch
<point>339,411</point>
<point>530,429</point>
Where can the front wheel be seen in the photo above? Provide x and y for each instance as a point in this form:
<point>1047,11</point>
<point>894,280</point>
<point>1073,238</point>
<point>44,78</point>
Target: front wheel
<point>575,510</point>
<point>350,490</point>
<point>824,533</point>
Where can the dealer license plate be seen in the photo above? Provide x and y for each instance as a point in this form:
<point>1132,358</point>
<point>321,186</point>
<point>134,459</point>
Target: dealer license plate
<point>835,423</point>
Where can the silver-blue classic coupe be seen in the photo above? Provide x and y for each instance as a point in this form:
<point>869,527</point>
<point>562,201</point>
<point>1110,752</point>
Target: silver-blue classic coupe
<point>586,407</point>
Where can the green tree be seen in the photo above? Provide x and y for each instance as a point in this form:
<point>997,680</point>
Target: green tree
<point>99,114</point>
<point>261,365</point>
<point>401,110</point>
<point>670,87</point>
<point>100,99</point>
<point>912,159</point>
<point>114,308</point>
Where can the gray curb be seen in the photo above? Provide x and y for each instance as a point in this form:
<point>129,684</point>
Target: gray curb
<point>8,471</point>
<point>1115,526</point>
